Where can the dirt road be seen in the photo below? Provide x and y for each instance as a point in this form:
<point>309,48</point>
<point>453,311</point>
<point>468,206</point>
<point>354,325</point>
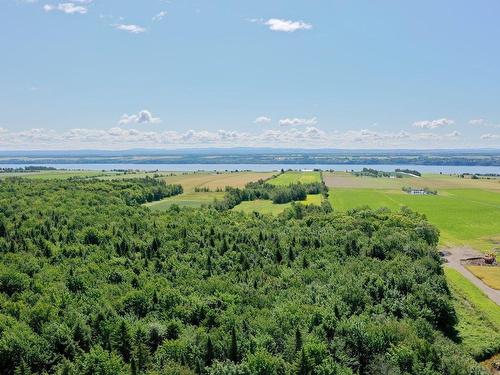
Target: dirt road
<point>454,257</point>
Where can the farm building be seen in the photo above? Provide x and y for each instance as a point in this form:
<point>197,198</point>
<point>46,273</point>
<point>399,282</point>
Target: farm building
<point>417,192</point>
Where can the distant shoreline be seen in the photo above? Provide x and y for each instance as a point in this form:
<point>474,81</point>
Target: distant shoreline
<point>257,167</point>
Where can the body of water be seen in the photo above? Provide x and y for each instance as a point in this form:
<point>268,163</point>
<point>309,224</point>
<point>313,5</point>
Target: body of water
<point>445,169</point>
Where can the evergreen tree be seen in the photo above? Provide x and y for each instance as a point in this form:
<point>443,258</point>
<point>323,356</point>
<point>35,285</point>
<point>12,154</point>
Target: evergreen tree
<point>209,353</point>
<point>233,351</point>
<point>303,365</point>
<point>133,367</point>
<point>22,369</point>
<point>298,340</point>
<point>124,344</point>
<point>278,256</point>
<point>141,352</point>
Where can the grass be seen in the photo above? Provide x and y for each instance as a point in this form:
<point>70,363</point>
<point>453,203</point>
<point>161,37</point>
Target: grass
<point>434,181</point>
<point>268,207</point>
<point>49,175</point>
<point>479,317</point>
<point>190,199</point>
<point>293,177</point>
<point>314,199</point>
<point>262,206</point>
<point>488,275</point>
<point>190,181</point>
<point>464,216</point>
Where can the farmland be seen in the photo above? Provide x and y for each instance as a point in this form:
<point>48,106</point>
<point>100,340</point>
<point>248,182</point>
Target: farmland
<point>202,180</point>
<point>293,177</point>
<point>465,211</point>
<point>213,181</point>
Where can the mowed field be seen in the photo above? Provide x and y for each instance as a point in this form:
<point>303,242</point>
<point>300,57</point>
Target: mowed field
<point>190,181</point>
<point>489,275</point>
<point>435,181</point>
<point>467,212</point>
<point>479,317</point>
<point>293,177</point>
<point>190,199</point>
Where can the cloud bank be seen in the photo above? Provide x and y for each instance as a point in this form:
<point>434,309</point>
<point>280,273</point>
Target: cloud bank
<point>121,137</point>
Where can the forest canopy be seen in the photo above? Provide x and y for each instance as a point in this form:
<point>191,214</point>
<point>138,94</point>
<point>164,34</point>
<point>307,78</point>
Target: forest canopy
<point>91,282</point>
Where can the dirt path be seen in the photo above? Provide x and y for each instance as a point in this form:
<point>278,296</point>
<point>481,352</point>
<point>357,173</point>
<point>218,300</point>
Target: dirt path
<point>457,253</point>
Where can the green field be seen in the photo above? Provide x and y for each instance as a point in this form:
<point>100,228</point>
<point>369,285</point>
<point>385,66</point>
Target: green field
<point>190,199</point>
<point>293,177</point>
<point>479,317</point>
<point>58,174</point>
<point>268,207</point>
<point>464,216</point>
<point>262,206</point>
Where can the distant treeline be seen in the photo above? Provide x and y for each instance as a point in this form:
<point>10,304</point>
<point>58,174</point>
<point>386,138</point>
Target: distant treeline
<point>31,168</point>
<point>409,171</point>
<point>369,172</point>
<point>398,173</point>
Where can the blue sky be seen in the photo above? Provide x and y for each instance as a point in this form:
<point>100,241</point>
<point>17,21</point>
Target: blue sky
<point>117,74</point>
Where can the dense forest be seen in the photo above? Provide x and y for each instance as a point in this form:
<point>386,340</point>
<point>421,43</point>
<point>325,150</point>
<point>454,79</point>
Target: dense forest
<point>91,282</point>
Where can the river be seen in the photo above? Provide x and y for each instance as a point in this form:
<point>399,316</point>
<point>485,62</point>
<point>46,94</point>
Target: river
<point>445,169</point>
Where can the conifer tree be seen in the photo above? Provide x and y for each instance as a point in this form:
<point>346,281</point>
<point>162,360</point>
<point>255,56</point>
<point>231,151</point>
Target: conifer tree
<point>233,352</point>
<point>124,345</point>
<point>298,340</point>
<point>209,352</point>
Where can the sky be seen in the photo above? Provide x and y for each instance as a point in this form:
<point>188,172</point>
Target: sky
<point>121,74</point>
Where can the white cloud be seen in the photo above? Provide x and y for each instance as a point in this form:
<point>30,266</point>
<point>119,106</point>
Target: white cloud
<point>143,117</point>
<point>490,136</point>
<point>478,121</point>
<point>68,8</point>
<point>433,124</point>
<point>262,120</point>
<point>298,121</point>
<point>276,24</point>
<point>134,29</point>
<point>159,16</point>
<point>121,137</point>
<point>483,122</point>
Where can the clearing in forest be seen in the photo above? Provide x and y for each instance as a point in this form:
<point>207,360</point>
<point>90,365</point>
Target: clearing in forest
<point>192,180</point>
<point>294,177</point>
<point>268,207</point>
<point>190,199</point>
